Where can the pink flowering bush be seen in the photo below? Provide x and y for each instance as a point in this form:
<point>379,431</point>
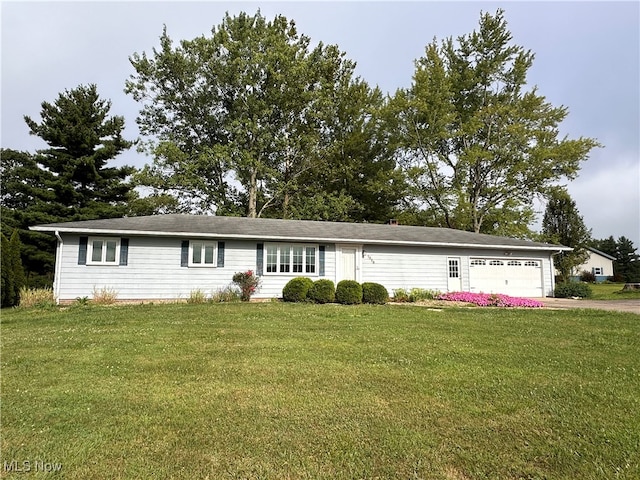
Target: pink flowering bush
<point>489,299</point>
<point>248,283</point>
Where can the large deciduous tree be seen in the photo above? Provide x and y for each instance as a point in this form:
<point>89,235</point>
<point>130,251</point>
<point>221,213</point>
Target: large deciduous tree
<point>476,144</point>
<point>563,225</point>
<point>252,103</point>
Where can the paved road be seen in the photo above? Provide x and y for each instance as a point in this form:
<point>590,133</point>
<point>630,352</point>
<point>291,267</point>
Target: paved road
<point>632,306</point>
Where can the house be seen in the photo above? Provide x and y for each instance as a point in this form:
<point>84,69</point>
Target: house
<point>599,263</point>
<point>166,257</point>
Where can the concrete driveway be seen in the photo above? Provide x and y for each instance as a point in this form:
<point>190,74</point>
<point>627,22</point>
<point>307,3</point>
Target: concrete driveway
<point>631,306</point>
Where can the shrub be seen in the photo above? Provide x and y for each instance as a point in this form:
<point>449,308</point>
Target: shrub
<point>349,292</point>
<point>374,293</point>
<point>248,283</point>
<point>322,291</point>
<point>197,296</point>
<point>36,297</point>
<point>400,295</point>
<point>587,276</point>
<point>226,295</point>
<point>105,296</point>
<point>296,289</point>
<point>572,289</point>
<point>417,294</point>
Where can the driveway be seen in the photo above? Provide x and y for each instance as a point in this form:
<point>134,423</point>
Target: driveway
<point>631,306</point>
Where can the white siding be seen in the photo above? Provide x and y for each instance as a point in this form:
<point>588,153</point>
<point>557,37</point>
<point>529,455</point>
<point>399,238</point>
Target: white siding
<point>154,272</point>
<point>596,260</point>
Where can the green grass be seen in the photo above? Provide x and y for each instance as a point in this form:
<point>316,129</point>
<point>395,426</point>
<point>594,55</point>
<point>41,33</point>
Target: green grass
<point>612,291</point>
<point>301,391</point>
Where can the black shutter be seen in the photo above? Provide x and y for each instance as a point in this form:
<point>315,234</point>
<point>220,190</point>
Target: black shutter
<point>220,254</point>
<point>124,251</point>
<point>321,260</point>
<point>184,254</point>
<point>259,258</point>
<point>82,251</point>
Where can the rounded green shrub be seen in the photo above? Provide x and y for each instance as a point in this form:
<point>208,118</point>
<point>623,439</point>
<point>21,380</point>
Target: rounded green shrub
<point>349,292</point>
<point>374,293</point>
<point>322,291</point>
<point>572,289</point>
<point>296,289</point>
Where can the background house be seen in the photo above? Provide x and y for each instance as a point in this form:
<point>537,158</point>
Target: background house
<point>599,264</point>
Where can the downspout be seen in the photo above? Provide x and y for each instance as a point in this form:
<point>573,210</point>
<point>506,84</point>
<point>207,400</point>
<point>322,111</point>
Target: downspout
<point>553,272</point>
<point>57,268</point>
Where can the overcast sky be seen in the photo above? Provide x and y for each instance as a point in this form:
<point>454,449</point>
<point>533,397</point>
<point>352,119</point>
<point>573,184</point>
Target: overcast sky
<point>587,58</point>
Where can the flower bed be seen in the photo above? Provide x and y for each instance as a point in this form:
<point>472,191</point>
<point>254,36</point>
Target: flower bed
<point>489,300</point>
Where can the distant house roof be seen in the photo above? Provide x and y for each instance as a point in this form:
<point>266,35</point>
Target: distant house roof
<point>203,226</point>
<point>602,254</point>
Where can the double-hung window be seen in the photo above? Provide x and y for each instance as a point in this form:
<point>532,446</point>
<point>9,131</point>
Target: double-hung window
<point>290,259</point>
<point>202,254</point>
<point>103,251</point>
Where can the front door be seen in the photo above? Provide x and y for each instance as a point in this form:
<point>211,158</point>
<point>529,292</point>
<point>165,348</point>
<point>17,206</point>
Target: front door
<point>348,261</point>
<point>455,278</point>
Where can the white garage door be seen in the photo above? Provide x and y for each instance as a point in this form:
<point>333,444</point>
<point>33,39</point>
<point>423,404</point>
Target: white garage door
<point>520,278</point>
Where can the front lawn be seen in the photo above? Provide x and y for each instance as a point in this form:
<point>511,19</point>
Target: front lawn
<point>612,291</point>
<point>303,391</point>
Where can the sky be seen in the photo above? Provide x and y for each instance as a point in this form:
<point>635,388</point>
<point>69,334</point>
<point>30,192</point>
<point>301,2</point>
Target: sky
<point>587,58</point>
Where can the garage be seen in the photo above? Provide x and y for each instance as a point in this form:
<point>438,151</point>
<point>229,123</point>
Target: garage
<point>515,277</point>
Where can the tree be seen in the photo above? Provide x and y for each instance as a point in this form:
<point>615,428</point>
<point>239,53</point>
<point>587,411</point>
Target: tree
<point>70,180</point>
<point>476,146</point>
<point>12,273</point>
<point>563,225</point>
<point>252,103</point>
<point>82,139</point>
<point>627,262</point>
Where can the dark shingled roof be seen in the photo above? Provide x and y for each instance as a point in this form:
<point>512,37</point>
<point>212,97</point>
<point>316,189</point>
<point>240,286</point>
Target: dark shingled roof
<point>289,230</point>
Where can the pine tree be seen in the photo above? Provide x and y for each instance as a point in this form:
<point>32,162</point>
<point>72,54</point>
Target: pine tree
<point>13,278</point>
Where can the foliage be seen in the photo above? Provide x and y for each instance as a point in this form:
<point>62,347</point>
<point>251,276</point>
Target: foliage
<point>37,297</point>
<point>70,179</point>
<point>490,300</point>
<point>297,289</point>
<point>226,295</point>
<point>13,279</point>
<point>476,146</point>
<point>374,293</point>
<point>587,277</point>
<point>248,283</point>
<point>104,296</point>
<point>563,225</point>
<point>349,292</point>
<point>197,295</point>
<point>414,295</point>
<point>322,291</point>
<point>400,295</point>
<point>572,289</point>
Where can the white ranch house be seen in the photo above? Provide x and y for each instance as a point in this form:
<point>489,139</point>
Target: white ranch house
<point>165,257</point>
<point>598,263</point>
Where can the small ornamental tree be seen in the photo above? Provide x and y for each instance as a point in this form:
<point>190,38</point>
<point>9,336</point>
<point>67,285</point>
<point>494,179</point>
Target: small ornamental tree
<point>248,283</point>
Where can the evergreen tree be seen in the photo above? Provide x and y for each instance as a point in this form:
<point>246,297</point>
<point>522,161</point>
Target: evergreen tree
<point>563,225</point>
<point>627,261</point>
<point>13,278</point>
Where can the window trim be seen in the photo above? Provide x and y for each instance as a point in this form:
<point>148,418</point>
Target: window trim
<point>266,264</point>
<point>103,253</point>
<point>214,258</point>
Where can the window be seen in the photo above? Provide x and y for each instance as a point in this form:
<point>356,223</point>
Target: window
<point>454,269</point>
<point>514,263</point>
<point>476,262</point>
<point>598,271</point>
<point>104,251</point>
<point>202,254</point>
<point>290,259</point>
<point>495,262</point>
<point>531,263</point>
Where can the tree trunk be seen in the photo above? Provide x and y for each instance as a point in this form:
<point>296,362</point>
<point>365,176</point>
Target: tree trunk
<point>253,194</point>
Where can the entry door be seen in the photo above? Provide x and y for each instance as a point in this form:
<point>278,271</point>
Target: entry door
<point>455,279</point>
<point>348,261</point>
